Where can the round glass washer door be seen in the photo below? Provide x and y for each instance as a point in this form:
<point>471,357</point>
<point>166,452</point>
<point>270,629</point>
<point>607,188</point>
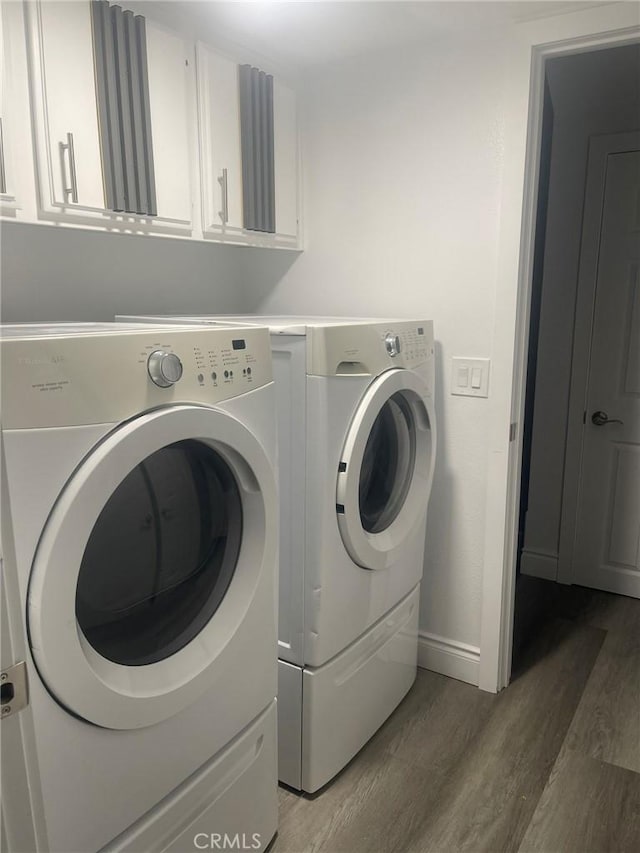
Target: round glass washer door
<point>148,564</point>
<point>161,555</point>
<point>386,468</point>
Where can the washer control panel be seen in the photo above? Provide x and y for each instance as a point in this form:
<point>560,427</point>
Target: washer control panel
<point>57,378</point>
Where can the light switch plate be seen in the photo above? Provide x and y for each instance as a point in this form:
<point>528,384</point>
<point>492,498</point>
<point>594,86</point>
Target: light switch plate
<point>470,376</point>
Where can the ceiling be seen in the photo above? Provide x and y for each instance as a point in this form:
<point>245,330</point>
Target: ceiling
<point>303,35</point>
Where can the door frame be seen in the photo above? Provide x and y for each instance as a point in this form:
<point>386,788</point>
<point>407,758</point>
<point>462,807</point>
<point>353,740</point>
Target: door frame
<point>532,45</point>
<point>600,147</point>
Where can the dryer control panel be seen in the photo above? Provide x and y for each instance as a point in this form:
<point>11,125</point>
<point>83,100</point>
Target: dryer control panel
<point>53,377</point>
<point>368,348</point>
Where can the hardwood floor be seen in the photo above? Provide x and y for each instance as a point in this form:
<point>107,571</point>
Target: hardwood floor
<point>607,723</point>
<point>587,805</point>
<point>550,764</point>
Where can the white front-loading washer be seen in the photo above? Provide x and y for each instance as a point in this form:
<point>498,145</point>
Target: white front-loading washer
<point>357,439</point>
<point>139,535</point>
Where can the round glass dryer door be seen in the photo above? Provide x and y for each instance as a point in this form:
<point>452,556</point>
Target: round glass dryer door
<point>387,464</point>
<point>161,555</point>
<point>148,564</point>
<point>386,469</point>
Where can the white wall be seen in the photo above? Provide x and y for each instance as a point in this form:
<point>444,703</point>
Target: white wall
<point>403,157</point>
<point>614,78</point>
<point>49,273</point>
<point>415,181</point>
<point>407,214</point>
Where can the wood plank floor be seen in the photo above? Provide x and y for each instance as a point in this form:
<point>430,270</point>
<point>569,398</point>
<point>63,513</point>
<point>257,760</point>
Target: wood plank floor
<point>550,764</point>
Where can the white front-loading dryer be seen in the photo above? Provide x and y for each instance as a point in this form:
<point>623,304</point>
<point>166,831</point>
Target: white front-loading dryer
<point>140,582</point>
<point>357,445</point>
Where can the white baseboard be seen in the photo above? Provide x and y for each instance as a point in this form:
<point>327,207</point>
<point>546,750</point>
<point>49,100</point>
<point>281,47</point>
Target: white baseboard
<point>539,565</point>
<point>449,657</point>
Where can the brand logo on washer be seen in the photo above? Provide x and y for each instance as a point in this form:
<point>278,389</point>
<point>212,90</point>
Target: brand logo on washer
<point>54,359</point>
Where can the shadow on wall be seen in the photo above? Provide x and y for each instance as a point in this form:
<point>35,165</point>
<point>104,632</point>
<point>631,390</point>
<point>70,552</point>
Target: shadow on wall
<point>262,272</point>
<point>57,274</point>
<point>440,527</point>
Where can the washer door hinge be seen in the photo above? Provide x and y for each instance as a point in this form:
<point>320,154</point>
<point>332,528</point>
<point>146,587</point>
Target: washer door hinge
<point>512,432</point>
<point>14,689</point>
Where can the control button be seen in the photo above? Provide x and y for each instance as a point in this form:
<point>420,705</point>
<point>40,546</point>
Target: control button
<point>231,373</point>
<point>249,371</point>
<point>392,344</point>
<point>214,376</point>
<point>200,378</point>
<point>226,374</point>
<point>165,368</point>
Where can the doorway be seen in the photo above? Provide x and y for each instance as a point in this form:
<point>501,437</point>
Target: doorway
<point>576,487</point>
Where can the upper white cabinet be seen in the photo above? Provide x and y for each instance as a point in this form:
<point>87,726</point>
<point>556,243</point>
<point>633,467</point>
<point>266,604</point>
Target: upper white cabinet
<point>223,146</point>
<point>16,170</point>
<point>6,190</point>
<point>172,107</point>
<point>66,110</point>
<point>285,128</point>
<point>136,128</point>
<point>71,114</point>
<point>220,151</point>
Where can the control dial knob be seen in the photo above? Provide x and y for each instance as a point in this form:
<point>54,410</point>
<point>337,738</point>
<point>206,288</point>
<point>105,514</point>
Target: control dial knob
<point>165,368</point>
<point>392,343</point>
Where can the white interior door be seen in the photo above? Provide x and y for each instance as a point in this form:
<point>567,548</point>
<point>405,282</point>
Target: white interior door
<point>607,547</point>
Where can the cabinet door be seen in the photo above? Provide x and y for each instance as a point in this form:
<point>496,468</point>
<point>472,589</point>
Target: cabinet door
<point>17,172</point>
<point>220,153</point>
<point>69,143</point>
<point>169,60</point>
<point>285,132</point>
<point>7,196</point>
<point>67,120</point>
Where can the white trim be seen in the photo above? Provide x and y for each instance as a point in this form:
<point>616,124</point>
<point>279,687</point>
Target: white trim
<point>612,25</point>
<point>539,565</point>
<point>449,657</point>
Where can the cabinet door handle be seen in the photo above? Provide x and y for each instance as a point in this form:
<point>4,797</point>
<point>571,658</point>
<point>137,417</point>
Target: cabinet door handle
<point>3,177</point>
<point>224,186</point>
<point>72,190</point>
